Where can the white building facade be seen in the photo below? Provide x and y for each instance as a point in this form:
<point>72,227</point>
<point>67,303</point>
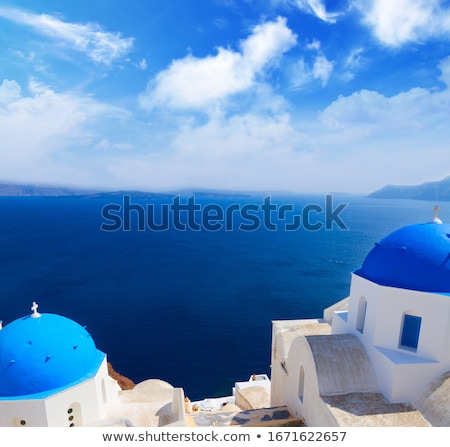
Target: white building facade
<point>382,351</point>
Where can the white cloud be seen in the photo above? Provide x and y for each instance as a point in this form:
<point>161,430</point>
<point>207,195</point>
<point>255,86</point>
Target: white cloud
<point>396,139</point>
<point>352,64</point>
<point>302,73</point>
<point>99,45</point>
<point>371,113</point>
<point>247,151</point>
<point>354,59</point>
<point>322,69</point>
<point>444,66</point>
<point>44,132</point>
<point>143,64</point>
<point>267,43</point>
<point>397,22</point>
<point>200,82</point>
<point>314,45</point>
<point>358,143</point>
<point>29,123</point>
<point>317,8</point>
<point>9,91</point>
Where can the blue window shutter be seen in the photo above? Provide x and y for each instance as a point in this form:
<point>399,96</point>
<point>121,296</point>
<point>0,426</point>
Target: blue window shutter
<point>410,331</point>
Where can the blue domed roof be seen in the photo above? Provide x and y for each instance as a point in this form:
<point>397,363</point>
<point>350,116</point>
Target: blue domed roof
<point>44,352</point>
<point>415,257</point>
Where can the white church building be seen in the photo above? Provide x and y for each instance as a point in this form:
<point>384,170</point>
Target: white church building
<point>51,373</point>
<point>382,355</point>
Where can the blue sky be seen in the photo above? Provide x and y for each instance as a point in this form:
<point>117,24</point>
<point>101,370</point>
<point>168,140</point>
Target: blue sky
<point>297,95</point>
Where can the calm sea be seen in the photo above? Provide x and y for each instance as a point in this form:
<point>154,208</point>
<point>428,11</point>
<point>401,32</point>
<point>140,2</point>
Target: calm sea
<point>191,307</point>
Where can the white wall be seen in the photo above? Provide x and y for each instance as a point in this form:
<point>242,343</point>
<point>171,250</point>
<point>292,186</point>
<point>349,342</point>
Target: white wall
<point>401,372</point>
<point>32,412</point>
<point>285,385</point>
<point>86,401</point>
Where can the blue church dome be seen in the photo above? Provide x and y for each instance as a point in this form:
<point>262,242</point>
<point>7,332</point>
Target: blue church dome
<point>44,352</point>
<point>415,257</point>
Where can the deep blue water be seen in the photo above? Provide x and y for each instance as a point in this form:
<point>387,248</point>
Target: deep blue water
<point>190,307</point>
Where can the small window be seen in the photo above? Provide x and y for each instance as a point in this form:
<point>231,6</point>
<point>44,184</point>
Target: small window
<point>301,383</point>
<point>361,316</point>
<point>410,331</point>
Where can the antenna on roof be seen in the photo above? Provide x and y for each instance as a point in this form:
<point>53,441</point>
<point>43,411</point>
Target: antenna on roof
<point>436,219</point>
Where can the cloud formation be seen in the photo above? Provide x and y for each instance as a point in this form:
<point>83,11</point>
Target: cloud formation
<point>249,149</point>
<point>340,145</point>
<point>99,45</point>
<point>9,91</point>
<point>44,133</point>
<point>193,83</point>
<point>408,129</point>
<point>315,7</point>
<point>239,118</point>
<point>320,68</point>
<point>395,23</point>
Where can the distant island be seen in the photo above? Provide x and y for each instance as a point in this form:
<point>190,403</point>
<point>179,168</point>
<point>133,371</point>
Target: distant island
<point>13,190</point>
<point>8,189</point>
<point>438,190</point>
<point>17,190</point>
